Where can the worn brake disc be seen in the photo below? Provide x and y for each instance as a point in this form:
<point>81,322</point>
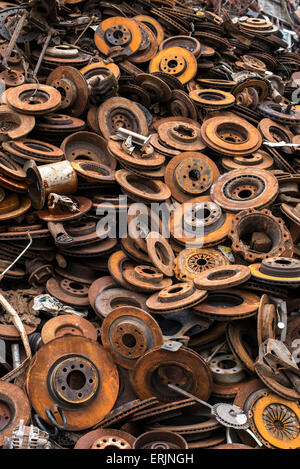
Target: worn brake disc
<point>277,270</point>
<point>221,277</point>
<point>228,304</point>
<point>190,174</point>
<point>230,135</point>
<point>159,367</point>
<point>105,439</point>
<point>73,87</point>
<point>64,378</point>
<point>245,188</point>
<point>118,34</point>
<point>175,61</point>
<point>129,332</point>
<point>200,222</point>
<point>121,112</point>
<point>185,137</point>
<point>14,406</point>
<point>175,298</point>
<point>32,99</point>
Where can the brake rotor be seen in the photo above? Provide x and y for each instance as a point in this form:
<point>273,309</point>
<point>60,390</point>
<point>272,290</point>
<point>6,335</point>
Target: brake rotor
<point>156,88</point>
<point>175,298</point>
<point>33,99</point>
<point>105,439</point>
<point>67,324</point>
<point>230,135</point>
<point>142,190</point>
<point>258,160</point>
<point>250,221</point>
<point>277,270</point>
<point>112,298</point>
<point>261,85</point>
<point>30,149</point>
<point>75,376</point>
<point>200,222</point>
<point>245,188</point>
<point>175,61</point>
<point>146,159</point>
<point>153,25</point>
<point>279,113</point>
<point>14,125</point>
<point>212,98</point>
<point>146,278</point>
<point>266,320</point>
<point>159,367</point>
<point>186,42</point>
<point>68,291</point>
<point>221,277</point>
<point>127,333</point>
<point>185,137</point>
<point>228,375</point>
<point>148,47</point>
<point>93,69</point>
<point>118,262</point>
<point>10,168</point>
<point>87,146</point>
<point>275,421</point>
<point>94,172</point>
<point>242,340</point>
<point>73,88</point>
<point>133,250</point>
<point>160,440</point>
<point>182,105</point>
<point>228,304</point>
<point>160,253</point>
<point>13,185</point>
<point>190,174</point>
<point>190,262</point>
<point>274,132</point>
<point>118,34</point>
<point>121,112</point>
<point>14,406</point>
<point>13,206</point>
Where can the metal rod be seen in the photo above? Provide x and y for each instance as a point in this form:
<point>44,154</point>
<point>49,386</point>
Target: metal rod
<point>14,38</point>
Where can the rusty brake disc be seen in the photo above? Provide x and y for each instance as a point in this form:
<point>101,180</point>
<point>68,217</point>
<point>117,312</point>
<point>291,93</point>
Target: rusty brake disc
<point>14,406</point>
<point>67,324</point>
<point>118,34</point>
<point>64,378</point>
<point>128,333</point>
<point>277,270</point>
<point>228,304</point>
<point>200,223</point>
<point>159,366</point>
<point>175,61</point>
<point>33,99</point>
<point>105,439</point>
<point>14,125</point>
<point>158,439</point>
<point>121,112</point>
<point>230,135</point>
<point>245,188</point>
<point>175,298</point>
<point>146,278</point>
<point>190,174</point>
<point>73,88</point>
<point>221,277</point>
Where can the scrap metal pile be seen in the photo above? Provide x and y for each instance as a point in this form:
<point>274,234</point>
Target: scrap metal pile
<point>120,327</point>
